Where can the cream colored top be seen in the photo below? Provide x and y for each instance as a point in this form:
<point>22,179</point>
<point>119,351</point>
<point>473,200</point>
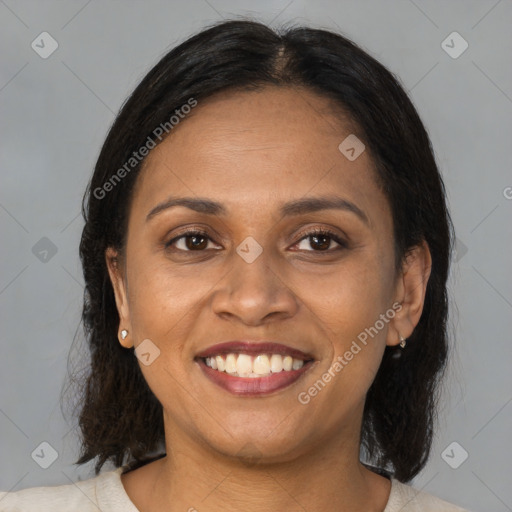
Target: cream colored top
<point>106,493</point>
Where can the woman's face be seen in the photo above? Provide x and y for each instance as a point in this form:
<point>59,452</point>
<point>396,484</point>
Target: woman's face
<point>257,276</point>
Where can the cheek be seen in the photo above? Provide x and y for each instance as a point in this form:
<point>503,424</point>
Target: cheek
<point>352,297</point>
<point>163,309</point>
<point>163,300</point>
<point>354,308</point>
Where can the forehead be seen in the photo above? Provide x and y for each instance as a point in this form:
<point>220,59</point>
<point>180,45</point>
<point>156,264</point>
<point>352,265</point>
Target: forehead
<point>243,148</point>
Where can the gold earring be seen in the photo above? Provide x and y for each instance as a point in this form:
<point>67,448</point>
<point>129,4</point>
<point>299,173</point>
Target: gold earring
<point>402,341</point>
<point>124,333</point>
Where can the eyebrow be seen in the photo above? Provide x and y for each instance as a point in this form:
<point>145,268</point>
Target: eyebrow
<point>295,207</point>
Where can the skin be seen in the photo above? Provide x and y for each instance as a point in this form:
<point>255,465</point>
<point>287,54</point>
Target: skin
<point>252,152</point>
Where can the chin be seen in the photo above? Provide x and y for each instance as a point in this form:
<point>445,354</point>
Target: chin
<point>255,445</point>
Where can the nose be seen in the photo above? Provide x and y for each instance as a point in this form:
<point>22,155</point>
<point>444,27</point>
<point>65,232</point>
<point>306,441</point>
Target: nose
<point>254,293</point>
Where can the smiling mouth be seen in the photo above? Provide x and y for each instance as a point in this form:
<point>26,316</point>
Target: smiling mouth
<point>253,368</point>
<point>253,375</point>
<point>261,365</point>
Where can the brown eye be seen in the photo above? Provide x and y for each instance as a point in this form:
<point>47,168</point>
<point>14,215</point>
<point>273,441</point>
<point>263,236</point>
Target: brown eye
<point>192,241</point>
<point>320,240</point>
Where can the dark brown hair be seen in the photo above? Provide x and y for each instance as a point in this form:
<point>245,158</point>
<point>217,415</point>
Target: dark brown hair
<point>120,419</point>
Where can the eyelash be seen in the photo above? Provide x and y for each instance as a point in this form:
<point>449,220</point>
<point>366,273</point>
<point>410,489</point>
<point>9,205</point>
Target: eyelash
<point>313,232</point>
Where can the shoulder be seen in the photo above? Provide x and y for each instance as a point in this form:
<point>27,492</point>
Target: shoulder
<point>104,492</point>
<point>405,498</point>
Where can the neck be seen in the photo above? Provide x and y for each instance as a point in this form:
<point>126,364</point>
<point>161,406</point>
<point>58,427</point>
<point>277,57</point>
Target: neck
<point>192,477</point>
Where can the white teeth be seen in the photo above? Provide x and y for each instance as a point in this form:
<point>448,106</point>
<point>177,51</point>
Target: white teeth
<point>231,363</point>
<point>276,363</point>
<point>287,363</point>
<point>220,363</point>
<point>297,364</point>
<point>261,365</point>
<point>244,365</point>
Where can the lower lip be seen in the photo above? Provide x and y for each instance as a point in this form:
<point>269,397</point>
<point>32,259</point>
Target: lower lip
<point>253,386</point>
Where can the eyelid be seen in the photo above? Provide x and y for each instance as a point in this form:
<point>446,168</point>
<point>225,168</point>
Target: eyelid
<point>341,240</point>
<point>187,231</point>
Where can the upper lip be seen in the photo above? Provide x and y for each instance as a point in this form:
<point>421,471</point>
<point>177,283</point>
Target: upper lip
<point>255,348</point>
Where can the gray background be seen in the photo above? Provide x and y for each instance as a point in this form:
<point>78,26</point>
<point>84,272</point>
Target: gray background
<point>55,113</point>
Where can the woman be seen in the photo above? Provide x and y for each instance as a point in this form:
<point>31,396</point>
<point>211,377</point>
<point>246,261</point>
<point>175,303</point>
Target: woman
<point>265,252</point>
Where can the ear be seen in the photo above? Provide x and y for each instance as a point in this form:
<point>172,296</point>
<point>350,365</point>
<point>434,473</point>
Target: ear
<point>410,292</point>
<point>119,285</point>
